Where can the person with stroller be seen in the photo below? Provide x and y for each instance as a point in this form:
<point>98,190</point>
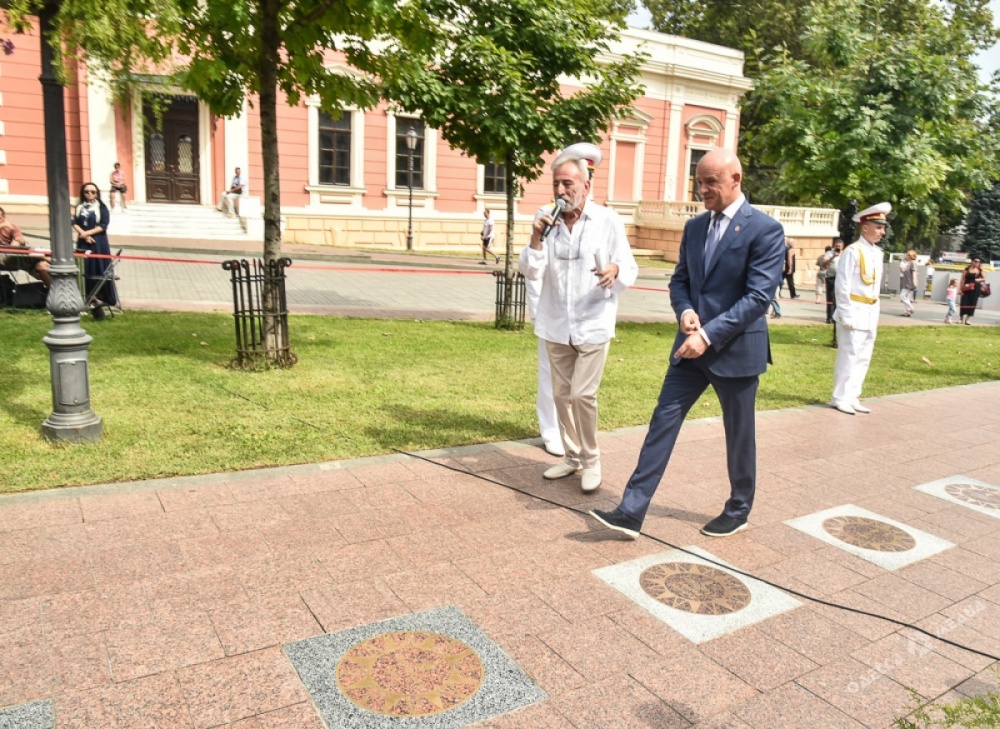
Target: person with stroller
<point>90,223</point>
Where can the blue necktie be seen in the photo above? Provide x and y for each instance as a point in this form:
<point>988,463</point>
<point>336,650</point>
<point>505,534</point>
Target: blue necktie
<point>712,240</point>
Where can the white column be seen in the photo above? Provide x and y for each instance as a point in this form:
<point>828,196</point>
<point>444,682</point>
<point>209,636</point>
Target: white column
<point>103,142</point>
<point>673,151</point>
<point>731,133</point>
<point>237,153</point>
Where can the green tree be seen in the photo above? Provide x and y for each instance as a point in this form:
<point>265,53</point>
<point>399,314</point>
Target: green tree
<point>237,51</point>
<point>492,87</point>
<point>982,228</point>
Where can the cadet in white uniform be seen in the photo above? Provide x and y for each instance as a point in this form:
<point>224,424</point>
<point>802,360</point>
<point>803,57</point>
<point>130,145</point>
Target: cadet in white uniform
<point>859,280</point>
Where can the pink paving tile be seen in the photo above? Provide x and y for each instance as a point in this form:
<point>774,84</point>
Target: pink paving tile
<point>913,665</point>
<point>220,549</point>
<point>513,615</point>
<point>247,515</point>
<point>937,629</point>
<point>792,707</point>
<point>598,648</point>
<point>19,614</point>
<point>119,506</point>
<point>818,638</point>
<point>34,514</point>
<point>850,561</point>
<point>536,716</point>
<point>861,616</point>
<point>384,523</point>
<point>723,720</point>
<point>176,639</point>
<point>984,682</point>
<point>180,498</point>
<point>313,482</point>
<point>323,505</point>
<point>811,568</point>
<point>581,599</point>
<point>299,716</point>
<point>783,539</point>
<point>188,524</point>
<point>692,684</point>
<point>45,577</point>
<point>199,589</point>
<point>503,572</point>
<point>367,559</point>
<point>618,702</point>
<point>859,691</point>
<point>79,660</point>
<point>430,547</point>
<point>970,564</point>
<point>562,557</point>
<point>135,561</point>
<point>383,473</point>
<point>49,542</point>
<point>243,686</point>
<point>434,586</point>
<point>545,667</point>
<point>308,535</point>
<point>246,627</point>
<point>277,574</point>
<point>347,605</point>
<point>28,670</point>
<point>95,610</point>
<point>757,658</point>
<point>988,546</point>
<point>383,496</point>
<point>154,702</point>
<point>904,598</point>
<point>649,630</point>
<point>940,580</point>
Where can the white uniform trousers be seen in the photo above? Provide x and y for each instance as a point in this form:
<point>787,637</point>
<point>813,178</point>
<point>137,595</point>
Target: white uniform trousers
<point>545,405</point>
<point>576,375</point>
<point>854,354</point>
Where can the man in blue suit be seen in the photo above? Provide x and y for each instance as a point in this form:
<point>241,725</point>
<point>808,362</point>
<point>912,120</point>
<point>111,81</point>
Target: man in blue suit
<point>731,261</point>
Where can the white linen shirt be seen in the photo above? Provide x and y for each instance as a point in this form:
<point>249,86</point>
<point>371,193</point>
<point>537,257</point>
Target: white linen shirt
<point>572,308</point>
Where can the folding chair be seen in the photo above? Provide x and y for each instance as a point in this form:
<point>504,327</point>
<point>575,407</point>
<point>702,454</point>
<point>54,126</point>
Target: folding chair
<point>95,304</point>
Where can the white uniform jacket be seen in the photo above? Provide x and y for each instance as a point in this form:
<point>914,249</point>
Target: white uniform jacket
<point>858,282</point>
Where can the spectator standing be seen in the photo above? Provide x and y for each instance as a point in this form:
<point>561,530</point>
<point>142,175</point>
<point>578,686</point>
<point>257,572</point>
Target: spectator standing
<point>821,263</point>
<point>789,272</point>
<point>90,223</point>
<point>118,185</point>
<point>831,279</point>
<point>951,296</point>
<point>908,281</point>
<point>972,282</point>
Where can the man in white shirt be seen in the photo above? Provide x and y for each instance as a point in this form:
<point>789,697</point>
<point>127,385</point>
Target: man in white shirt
<point>583,260</point>
<point>486,236</point>
<point>239,187</point>
<point>857,286</point>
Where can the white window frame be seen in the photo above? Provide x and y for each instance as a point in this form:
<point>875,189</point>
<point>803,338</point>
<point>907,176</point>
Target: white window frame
<point>691,130</point>
<point>399,196</point>
<point>353,194</point>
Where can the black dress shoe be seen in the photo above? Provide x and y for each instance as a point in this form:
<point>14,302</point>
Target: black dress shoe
<point>723,526</point>
<point>619,521</point>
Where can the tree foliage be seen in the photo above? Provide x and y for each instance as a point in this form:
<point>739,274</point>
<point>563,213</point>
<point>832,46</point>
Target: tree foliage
<point>493,87</point>
<point>982,228</point>
<point>862,101</point>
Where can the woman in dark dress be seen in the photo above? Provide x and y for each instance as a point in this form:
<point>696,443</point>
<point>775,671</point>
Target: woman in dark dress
<point>90,222</point>
<point>972,281</point>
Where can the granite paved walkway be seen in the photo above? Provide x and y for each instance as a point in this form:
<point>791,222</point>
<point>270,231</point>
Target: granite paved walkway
<point>214,601</point>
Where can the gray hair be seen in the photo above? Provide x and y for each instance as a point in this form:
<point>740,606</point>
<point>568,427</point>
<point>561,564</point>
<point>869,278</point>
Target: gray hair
<point>580,162</point>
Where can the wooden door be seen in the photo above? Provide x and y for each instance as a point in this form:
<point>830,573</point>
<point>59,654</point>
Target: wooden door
<point>172,169</point>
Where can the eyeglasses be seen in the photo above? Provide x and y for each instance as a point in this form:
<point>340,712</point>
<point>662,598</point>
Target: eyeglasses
<point>90,192</point>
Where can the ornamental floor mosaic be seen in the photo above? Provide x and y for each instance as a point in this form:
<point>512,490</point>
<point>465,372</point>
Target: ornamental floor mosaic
<point>695,594</point>
<point>965,491</point>
<point>391,592</point>
<point>873,537</point>
<point>432,669</point>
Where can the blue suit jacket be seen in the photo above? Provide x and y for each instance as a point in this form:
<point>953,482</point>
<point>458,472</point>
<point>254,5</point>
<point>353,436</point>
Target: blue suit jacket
<point>732,296</point>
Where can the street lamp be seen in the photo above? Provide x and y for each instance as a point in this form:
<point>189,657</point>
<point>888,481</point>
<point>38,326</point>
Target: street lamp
<point>411,144</point>
<point>72,420</point>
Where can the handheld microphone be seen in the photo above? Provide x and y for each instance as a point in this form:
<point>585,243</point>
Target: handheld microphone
<point>560,206</point>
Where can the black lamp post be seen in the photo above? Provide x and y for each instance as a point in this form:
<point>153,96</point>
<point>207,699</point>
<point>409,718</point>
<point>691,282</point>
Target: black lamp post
<point>72,420</point>
<point>411,144</point>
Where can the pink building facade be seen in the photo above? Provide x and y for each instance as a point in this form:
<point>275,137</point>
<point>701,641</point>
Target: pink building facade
<point>344,181</point>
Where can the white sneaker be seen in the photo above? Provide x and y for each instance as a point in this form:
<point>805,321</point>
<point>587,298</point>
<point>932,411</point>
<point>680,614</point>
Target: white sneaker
<point>591,479</point>
<point>561,470</point>
<point>554,448</point>
<point>843,408</point>
<point>859,408</point>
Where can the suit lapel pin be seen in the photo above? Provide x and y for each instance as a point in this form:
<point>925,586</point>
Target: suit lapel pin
<point>737,230</point>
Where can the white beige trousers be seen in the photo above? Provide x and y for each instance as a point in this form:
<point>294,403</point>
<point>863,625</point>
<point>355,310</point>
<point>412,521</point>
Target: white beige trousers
<point>576,374</point>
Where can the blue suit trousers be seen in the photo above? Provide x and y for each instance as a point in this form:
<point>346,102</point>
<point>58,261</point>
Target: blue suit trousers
<point>683,385</point>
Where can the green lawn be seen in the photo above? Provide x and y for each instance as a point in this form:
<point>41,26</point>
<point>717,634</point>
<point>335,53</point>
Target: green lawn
<point>171,407</point>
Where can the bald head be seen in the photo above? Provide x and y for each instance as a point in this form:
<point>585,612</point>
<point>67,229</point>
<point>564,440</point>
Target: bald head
<point>719,179</point>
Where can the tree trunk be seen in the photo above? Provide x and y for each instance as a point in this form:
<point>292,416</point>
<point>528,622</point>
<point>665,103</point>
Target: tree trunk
<point>276,340</point>
<point>508,318</point>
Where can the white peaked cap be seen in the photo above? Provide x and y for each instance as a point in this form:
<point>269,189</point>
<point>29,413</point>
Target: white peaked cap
<point>581,150</point>
<point>874,214</point>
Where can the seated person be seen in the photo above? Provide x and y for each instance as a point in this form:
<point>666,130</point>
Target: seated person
<point>36,264</point>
